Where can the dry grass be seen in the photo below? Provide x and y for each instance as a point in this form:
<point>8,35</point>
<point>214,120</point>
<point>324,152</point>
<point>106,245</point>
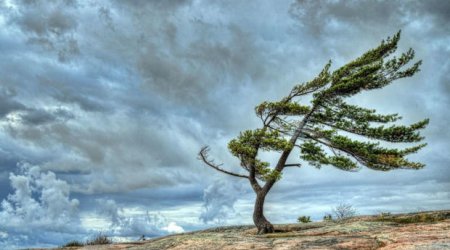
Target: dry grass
<point>100,239</point>
<point>73,243</point>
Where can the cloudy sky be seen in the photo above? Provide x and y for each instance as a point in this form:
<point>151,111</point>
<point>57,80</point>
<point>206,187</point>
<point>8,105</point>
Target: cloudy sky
<point>104,106</point>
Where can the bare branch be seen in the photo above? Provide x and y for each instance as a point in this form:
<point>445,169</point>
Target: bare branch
<point>293,165</point>
<point>203,155</point>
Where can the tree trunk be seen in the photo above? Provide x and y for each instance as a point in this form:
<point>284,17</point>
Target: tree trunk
<point>263,225</point>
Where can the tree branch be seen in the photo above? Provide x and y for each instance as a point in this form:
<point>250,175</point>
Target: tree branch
<point>252,179</point>
<point>354,156</point>
<point>203,155</point>
<point>284,156</point>
<point>293,165</point>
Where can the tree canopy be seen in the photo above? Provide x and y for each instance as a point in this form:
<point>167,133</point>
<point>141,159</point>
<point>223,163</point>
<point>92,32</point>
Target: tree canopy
<point>328,130</point>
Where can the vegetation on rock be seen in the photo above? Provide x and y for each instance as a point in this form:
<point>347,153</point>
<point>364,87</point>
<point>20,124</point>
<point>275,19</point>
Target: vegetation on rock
<point>304,219</point>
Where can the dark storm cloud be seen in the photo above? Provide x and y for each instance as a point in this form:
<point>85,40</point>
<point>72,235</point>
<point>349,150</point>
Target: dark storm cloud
<point>115,98</point>
<point>37,117</point>
<point>167,196</point>
<point>184,61</point>
<point>28,115</point>
<point>321,17</point>
<point>8,104</point>
<point>180,75</point>
<point>50,25</point>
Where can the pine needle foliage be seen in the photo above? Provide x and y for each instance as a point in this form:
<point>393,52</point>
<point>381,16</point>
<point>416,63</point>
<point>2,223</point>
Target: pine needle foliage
<point>322,128</point>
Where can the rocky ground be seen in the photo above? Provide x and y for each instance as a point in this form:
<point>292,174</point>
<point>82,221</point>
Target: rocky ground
<point>426,230</point>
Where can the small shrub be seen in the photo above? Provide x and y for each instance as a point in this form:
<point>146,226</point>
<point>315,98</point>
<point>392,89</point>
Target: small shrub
<point>328,217</point>
<point>73,243</point>
<point>343,212</point>
<point>100,239</point>
<point>304,219</point>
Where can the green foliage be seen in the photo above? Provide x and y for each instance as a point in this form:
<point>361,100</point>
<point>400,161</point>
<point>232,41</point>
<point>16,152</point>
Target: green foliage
<point>358,121</point>
<point>246,146</point>
<point>330,131</point>
<point>317,83</point>
<point>273,175</point>
<point>249,141</point>
<point>370,71</point>
<point>304,219</point>
<point>328,217</point>
<point>281,108</point>
<point>369,154</point>
<point>338,110</point>
<point>314,155</point>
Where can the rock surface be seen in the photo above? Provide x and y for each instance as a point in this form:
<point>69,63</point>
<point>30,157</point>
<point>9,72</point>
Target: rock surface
<point>426,230</point>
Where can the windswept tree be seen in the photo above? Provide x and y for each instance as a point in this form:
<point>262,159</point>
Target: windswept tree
<point>329,130</point>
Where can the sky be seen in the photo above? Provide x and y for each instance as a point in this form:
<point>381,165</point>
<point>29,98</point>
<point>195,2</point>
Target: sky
<point>104,106</point>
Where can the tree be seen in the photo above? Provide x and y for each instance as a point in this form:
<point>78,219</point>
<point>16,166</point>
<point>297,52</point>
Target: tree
<point>328,131</point>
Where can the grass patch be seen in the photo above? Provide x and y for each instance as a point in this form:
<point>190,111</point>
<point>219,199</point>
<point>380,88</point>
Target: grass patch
<point>100,239</point>
<point>73,243</point>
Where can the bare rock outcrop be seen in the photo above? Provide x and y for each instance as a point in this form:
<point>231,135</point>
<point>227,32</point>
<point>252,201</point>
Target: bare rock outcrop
<point>426,230</point>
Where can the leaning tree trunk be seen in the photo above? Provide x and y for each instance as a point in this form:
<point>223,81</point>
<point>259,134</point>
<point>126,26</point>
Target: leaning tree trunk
<point>263,225</point>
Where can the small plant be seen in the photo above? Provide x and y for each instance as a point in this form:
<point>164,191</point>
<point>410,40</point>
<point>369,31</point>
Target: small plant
<point>73,243</point>
<point>328,217</point>
<point>343,212</point>
<point>100,239</point>
<point>304,219</point>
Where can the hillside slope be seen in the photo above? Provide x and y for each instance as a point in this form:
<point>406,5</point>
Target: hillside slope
<point>426,230</point>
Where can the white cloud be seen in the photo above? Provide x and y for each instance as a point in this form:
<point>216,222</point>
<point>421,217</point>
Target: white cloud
<point>219,199</point>
<point>131,222</point>
<point>173,228</point>
<point>39,201</point>
<point>3,234</point>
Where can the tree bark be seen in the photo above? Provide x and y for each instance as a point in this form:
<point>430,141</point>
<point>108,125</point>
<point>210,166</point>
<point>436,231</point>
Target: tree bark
<point>261,223</point>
